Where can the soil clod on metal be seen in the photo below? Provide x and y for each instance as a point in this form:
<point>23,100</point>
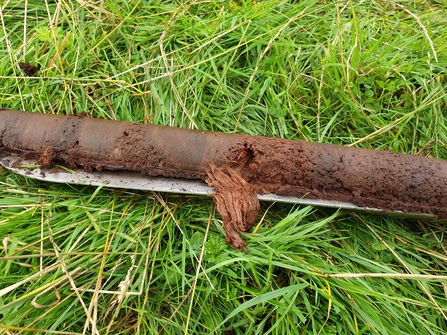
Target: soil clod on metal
<point>236,200</point>
<point>237,166</point>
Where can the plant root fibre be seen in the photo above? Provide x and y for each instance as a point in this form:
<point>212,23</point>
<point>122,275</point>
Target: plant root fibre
<point>237,166</point>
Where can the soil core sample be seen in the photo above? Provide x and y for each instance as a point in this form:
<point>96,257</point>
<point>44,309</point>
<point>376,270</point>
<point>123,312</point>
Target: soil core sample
<point>237,166</point>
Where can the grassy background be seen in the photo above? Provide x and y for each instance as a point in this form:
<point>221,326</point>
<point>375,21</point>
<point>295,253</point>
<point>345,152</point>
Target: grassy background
<point>78,260</point>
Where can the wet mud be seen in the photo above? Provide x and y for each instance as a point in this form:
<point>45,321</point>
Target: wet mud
<point>237,166</point>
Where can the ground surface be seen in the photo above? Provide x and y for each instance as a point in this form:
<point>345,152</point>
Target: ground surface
<point>79,260</point>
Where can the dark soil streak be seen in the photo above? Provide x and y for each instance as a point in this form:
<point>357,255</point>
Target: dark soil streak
<point>251,164</point>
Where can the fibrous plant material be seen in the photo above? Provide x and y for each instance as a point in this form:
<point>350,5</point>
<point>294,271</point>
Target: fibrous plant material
<point>236,201</point>
<point>237,166</point>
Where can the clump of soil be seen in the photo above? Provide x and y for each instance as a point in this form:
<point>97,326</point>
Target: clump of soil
<point>46,158</point>
<point>30,70</point>
<point>236,200</point>
<point>237,166</point>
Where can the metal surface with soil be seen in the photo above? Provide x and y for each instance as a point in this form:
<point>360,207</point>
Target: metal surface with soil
<point>367,178</point>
